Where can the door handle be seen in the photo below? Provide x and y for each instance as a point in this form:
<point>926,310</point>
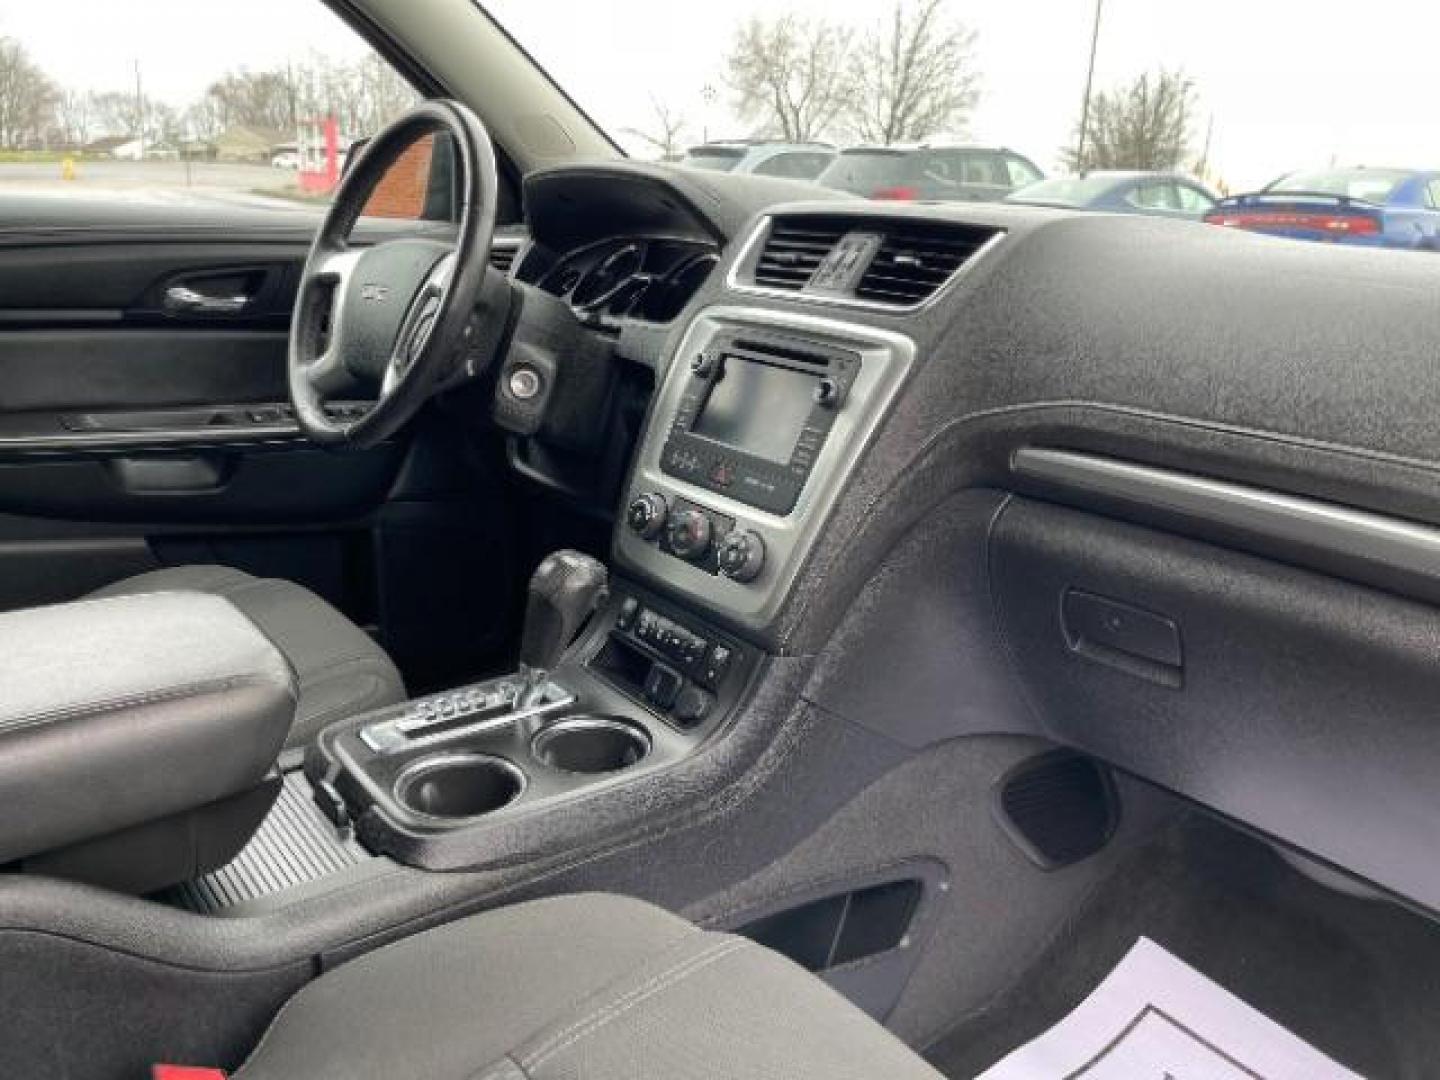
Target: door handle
<point>185,300</point>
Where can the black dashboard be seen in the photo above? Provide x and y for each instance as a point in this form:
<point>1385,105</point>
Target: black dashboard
<point>1219,441</point>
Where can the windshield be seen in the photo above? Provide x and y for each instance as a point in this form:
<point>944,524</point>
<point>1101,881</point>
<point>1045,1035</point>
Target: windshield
<point>1230,95</point>
<point>1371,185</point>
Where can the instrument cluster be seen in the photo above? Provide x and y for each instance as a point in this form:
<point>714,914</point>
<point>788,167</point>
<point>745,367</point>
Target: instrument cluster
<point>614,280</point>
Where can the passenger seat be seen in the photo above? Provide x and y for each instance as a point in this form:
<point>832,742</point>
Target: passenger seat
<point>594,986</point>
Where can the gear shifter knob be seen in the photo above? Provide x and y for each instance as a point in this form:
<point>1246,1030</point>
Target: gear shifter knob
<point>565,588</point>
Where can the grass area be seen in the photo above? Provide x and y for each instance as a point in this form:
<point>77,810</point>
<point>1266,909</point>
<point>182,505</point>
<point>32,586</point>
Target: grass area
<point>12,157</point>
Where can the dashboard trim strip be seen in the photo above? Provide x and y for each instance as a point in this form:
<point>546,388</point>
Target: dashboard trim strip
<point>1356,535</point>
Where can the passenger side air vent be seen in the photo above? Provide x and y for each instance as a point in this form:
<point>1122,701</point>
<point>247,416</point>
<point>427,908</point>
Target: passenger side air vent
<point>795,249</point>
<point>502,258</point>
<point>916,258</point>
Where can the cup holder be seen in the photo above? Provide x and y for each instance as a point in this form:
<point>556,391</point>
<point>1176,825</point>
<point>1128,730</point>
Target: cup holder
<point>590,744</point>
<point>454,787</point>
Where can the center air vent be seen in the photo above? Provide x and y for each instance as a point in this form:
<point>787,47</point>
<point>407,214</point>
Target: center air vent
<point>916,258</point>
<point>795,249</point>
<point>887,261</point>
<point>502,258</point>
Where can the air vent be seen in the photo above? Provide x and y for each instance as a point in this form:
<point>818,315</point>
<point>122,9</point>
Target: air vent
<point>502,258</point>
<point>795,249</point>
<point>916,258</point>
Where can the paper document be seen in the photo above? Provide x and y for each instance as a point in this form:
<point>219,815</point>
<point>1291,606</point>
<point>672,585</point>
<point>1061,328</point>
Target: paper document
<point>1156,1018</point>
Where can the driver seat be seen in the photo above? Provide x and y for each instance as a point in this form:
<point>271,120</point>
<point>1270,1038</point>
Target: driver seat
<point>339,670</point>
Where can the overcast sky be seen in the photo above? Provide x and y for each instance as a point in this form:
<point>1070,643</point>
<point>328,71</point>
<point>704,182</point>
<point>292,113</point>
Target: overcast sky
<point>1289,83</point>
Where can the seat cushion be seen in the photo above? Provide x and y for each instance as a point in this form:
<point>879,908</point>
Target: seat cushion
<point>594,986</point>
<point>339,670</point>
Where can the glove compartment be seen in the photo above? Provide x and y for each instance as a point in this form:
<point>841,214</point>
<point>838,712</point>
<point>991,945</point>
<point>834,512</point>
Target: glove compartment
<point>1305,706</point>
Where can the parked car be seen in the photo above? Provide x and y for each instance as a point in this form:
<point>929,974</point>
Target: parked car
<point>796,161</point>
<point>286,159</point>
<point>1156,194</point>
<point>1396,208</point>
<point>931,173</point>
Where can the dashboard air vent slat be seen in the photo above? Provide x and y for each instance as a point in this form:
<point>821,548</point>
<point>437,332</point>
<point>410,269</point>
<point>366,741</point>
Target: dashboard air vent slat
<point>502,258</point>
<point>916,258</point>
<point>794,250</point>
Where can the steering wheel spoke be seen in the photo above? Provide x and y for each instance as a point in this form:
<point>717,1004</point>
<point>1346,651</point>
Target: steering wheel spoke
<point>419,326</point>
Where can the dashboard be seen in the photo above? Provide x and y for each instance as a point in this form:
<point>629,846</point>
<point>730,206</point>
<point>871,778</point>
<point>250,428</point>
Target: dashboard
<point>1156,490</point>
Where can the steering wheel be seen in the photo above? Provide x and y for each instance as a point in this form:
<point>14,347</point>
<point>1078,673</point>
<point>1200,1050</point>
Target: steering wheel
<point>391,321</point>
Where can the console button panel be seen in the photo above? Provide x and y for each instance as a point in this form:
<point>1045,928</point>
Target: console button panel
<point>675,665</point>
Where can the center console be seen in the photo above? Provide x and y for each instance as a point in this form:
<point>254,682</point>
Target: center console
<point>643,686</point>
<point>756,426</point>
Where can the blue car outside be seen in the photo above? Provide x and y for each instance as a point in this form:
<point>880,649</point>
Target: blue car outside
<point>1393,208</point>
<point>1154,194</point>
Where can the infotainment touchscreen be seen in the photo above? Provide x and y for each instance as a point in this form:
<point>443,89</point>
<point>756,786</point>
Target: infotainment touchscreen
<point>754,417</point>
<point>757,408</point>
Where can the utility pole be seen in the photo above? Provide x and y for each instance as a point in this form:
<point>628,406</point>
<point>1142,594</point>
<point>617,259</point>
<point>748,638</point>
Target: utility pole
<point>139,112</point>
<point>1089,82</point>
<point>1203,168</point>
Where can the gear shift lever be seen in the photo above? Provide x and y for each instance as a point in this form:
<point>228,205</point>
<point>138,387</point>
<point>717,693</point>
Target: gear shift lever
<point>565,588</point>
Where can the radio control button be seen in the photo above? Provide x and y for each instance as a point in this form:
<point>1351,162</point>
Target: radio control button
<point>646,515</point>
<point>689,534</point>
<point>742,555</point>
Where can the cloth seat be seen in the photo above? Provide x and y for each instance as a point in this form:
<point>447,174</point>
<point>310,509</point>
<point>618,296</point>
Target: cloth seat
<point>594,986</point>
<point>339,670</point>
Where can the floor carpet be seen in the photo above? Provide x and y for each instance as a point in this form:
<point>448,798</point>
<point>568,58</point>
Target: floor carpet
<point>1358,979</point>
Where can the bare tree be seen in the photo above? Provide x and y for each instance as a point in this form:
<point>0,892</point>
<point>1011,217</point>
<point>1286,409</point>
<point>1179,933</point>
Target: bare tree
<point>204,120</point>
<point>261,99</point>
<point>27,96</point>
<point>790,75</point>
<point>914,75</point>
<point>75,117</point>
<point>666,138</point>
<point>1143,125</point>
<point>115,112</point>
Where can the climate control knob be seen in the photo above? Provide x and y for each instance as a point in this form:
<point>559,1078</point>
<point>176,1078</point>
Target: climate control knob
<point>741,555</point>
<point>688,533</point>
<point>646,514</point>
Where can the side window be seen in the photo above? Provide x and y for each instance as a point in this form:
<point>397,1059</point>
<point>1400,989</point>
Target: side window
<point>943,169</point>
<point>1193,200</point>
<point>1021,172</point>
<point>1154,196</point>
<point>986,169</point>
<point>194,114</point>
